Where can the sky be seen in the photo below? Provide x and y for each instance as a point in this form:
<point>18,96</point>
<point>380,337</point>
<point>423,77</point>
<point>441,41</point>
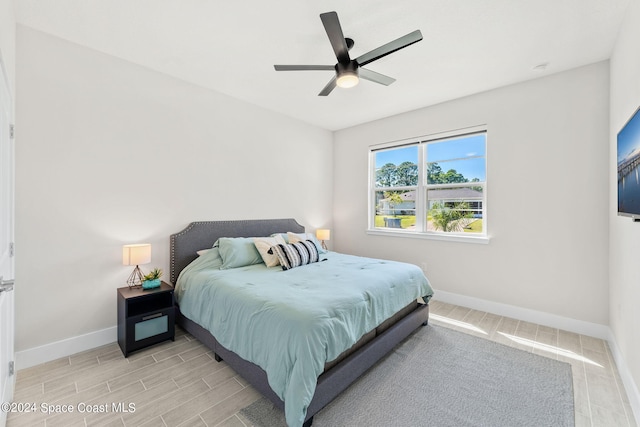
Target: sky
<point>629,138</point>
<point>458,154</point>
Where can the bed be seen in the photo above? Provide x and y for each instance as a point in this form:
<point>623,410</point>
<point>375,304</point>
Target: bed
<point>323,343</point>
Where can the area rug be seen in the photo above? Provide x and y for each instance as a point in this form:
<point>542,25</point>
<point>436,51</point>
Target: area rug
<point>440,377</point>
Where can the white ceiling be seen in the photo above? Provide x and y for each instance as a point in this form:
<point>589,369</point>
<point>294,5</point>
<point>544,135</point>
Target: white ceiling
<point>469,46</point>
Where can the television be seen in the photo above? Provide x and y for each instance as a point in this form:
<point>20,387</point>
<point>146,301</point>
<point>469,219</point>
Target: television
<point>629,168</point>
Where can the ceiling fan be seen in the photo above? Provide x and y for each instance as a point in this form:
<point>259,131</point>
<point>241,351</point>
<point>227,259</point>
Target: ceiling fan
<point>349,71</point>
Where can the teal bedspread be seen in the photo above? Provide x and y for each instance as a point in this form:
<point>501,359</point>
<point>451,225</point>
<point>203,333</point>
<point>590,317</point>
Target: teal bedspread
<point>290,323</point>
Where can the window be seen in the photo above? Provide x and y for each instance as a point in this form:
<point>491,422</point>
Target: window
<point>430,186</point>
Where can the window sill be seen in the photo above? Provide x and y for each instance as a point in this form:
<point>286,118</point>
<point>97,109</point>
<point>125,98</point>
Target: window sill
<point>483,240</point>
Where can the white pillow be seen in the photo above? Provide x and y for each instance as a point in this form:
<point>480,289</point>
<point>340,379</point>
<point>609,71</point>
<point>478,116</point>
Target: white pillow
<point>263,244</point>
<point>301,237</point>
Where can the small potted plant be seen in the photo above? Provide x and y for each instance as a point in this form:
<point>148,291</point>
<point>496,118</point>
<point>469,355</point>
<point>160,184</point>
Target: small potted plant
<point>152,280</point>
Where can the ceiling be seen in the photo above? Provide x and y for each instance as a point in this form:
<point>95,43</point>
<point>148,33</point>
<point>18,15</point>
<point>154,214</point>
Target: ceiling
<point>469,46</point>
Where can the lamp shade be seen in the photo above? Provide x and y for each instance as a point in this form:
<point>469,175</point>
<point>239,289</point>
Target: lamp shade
<point>323,234</point>
<point>136,254</point>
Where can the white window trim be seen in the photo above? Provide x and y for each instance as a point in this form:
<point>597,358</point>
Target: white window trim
<point>429,235</point>
<point>483,238</point>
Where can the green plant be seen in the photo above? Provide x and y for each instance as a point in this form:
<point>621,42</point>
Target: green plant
<point>448,219</point>
<point>154,274</point>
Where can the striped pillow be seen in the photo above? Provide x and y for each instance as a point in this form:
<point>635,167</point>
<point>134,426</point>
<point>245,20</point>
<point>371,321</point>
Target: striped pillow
<point>296,254</point>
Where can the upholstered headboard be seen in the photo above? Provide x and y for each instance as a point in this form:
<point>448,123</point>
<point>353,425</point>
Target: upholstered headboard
<point>203,234</point>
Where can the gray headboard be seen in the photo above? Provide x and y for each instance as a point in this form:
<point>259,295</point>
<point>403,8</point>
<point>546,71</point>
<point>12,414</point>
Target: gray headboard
<point>203,234</point>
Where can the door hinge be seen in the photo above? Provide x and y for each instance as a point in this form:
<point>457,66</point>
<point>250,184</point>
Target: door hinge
<point>11,249</point>
<point>12,368</point>
<point>11,131</point>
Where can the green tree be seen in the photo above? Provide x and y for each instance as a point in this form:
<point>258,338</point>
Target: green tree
<point>449,219</point>
<point>452,176</point>
<point>435,175</point>
<point>386,176</point>
<point>407,174</point>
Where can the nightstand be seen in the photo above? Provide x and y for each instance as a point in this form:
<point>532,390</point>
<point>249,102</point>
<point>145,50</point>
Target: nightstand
<point>145,317</point>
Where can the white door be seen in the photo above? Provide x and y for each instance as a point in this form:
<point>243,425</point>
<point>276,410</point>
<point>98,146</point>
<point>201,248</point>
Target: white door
<point>7,377</point>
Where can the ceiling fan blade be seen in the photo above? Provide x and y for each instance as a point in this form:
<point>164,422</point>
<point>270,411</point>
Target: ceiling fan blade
<point>390,47</point>
<point>334,31</point>
<point>329,87</point>
<point>304,67</point>
<point>375,77</point>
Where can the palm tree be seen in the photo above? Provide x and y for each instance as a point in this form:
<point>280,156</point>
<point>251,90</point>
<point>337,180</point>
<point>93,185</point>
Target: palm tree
<point>394,199</point>
<point>450,219</point>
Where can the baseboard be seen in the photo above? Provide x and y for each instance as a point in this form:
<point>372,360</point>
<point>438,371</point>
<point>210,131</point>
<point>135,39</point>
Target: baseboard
<point>541,318</point>
<point>554,321</point>
<point>55,350</point>
<point>627,380</point>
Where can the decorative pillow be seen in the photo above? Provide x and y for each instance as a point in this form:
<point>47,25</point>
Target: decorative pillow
<point>238,252</point>
<point>296,254</point>
<point>299,237</point>
<point>263,244</point>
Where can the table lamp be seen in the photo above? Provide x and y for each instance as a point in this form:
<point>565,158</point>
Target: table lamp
<point>322,235</point>
<point>137,255</point>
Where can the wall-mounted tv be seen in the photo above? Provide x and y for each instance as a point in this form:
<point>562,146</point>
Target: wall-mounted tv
<point>629,168</point>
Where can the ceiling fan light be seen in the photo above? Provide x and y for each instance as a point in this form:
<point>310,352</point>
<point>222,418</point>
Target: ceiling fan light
<point>347,80</point>
<point>347,74</point>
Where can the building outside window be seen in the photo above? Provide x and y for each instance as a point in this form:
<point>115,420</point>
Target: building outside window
<point>430,186</point>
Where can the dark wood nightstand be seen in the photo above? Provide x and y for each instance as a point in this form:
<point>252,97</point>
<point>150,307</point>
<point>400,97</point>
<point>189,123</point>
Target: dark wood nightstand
<point>145,317</point>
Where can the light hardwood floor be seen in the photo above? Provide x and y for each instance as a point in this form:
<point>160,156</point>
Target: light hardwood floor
<point>179,384</point>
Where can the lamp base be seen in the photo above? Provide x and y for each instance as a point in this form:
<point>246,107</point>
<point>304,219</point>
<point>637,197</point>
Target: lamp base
<point>136,278</point>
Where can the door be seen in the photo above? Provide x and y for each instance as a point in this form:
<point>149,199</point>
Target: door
<point>7,377</point>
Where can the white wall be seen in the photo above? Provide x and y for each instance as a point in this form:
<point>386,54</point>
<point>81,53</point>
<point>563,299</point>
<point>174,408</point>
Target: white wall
<point>547,195</point>
<point>8,41</point>
<point>111,153</point>
<point>624,240</point>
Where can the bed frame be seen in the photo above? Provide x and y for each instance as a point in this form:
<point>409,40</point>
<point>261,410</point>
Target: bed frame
<point>201,235</point>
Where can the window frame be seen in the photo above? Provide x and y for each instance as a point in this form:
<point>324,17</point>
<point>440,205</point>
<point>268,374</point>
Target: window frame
<point>422,188</point>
